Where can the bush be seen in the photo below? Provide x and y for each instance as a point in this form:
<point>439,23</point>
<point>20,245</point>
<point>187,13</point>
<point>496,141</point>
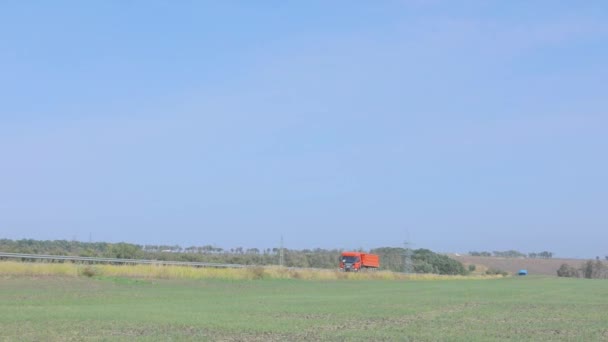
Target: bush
<point>566,270</point>
<point>257,272</point>
<point>472,268</point>
<point>493,271</point>
<point>90,271</point>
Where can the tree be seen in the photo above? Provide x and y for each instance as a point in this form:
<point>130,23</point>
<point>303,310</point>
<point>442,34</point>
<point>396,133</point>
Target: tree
<point>587,269</point>
<point>439,263</point>
<point>594,269</point>
<point>545,255</point>
<point>599,269</point>
<point>509,254</point>
<point>391,258</point>
<point>566,270</point>
<point>125,251</point>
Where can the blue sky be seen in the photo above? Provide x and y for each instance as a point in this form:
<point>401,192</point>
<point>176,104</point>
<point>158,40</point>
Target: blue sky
<point>473,125</point>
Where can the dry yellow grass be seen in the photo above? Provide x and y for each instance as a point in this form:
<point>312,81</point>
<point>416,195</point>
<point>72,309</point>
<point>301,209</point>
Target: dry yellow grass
<point>185,272</point>
<point>38,269</point>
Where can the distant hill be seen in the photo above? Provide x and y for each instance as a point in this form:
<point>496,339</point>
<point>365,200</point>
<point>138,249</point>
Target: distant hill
<point>512,265</point>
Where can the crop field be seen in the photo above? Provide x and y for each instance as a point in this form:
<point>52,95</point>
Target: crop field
<point>512,265</point>
<point>118,308</point>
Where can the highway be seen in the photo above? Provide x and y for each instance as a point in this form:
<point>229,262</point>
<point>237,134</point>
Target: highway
<point>114,260</point>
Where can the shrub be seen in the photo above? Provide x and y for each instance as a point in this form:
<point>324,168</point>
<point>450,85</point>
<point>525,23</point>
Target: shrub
<point>493,271</point>
<point>257,272</point>
<point>472,268</point>
<point>89,271</point>
<point>566,270</point>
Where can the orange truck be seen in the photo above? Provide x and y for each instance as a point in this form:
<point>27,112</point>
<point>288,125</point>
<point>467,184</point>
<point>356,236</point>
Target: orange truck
<point>356,261</point>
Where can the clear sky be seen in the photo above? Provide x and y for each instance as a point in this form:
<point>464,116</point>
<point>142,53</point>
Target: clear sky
<point>461,125</point>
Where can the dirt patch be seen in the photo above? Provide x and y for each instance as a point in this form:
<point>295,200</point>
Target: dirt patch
<point>512,265</point>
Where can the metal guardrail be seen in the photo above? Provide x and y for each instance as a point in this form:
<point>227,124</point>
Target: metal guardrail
<point>118,261</point>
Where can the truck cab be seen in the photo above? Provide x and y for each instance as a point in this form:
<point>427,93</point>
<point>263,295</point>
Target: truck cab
<point>350,263</point>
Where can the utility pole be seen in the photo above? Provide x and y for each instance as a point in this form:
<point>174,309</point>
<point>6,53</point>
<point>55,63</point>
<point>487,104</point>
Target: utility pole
<point>408,266</point>
<point>281,255</point>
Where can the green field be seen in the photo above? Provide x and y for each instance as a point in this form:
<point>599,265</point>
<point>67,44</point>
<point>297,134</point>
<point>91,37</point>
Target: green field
<point>518,308</point>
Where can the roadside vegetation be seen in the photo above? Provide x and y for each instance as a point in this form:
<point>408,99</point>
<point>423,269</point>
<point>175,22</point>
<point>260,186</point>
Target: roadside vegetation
<point>392,259</point>
<point>69,269</point>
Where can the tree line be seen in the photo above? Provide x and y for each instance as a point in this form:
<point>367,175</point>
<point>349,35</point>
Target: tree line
<point>392,258</point>
<point>514,254</point>
<point>590,269</point>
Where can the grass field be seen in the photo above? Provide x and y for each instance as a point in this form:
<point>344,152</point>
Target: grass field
<point>64,308</point>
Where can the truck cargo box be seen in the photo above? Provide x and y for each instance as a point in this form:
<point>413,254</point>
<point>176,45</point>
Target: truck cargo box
<point>370,260</point>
